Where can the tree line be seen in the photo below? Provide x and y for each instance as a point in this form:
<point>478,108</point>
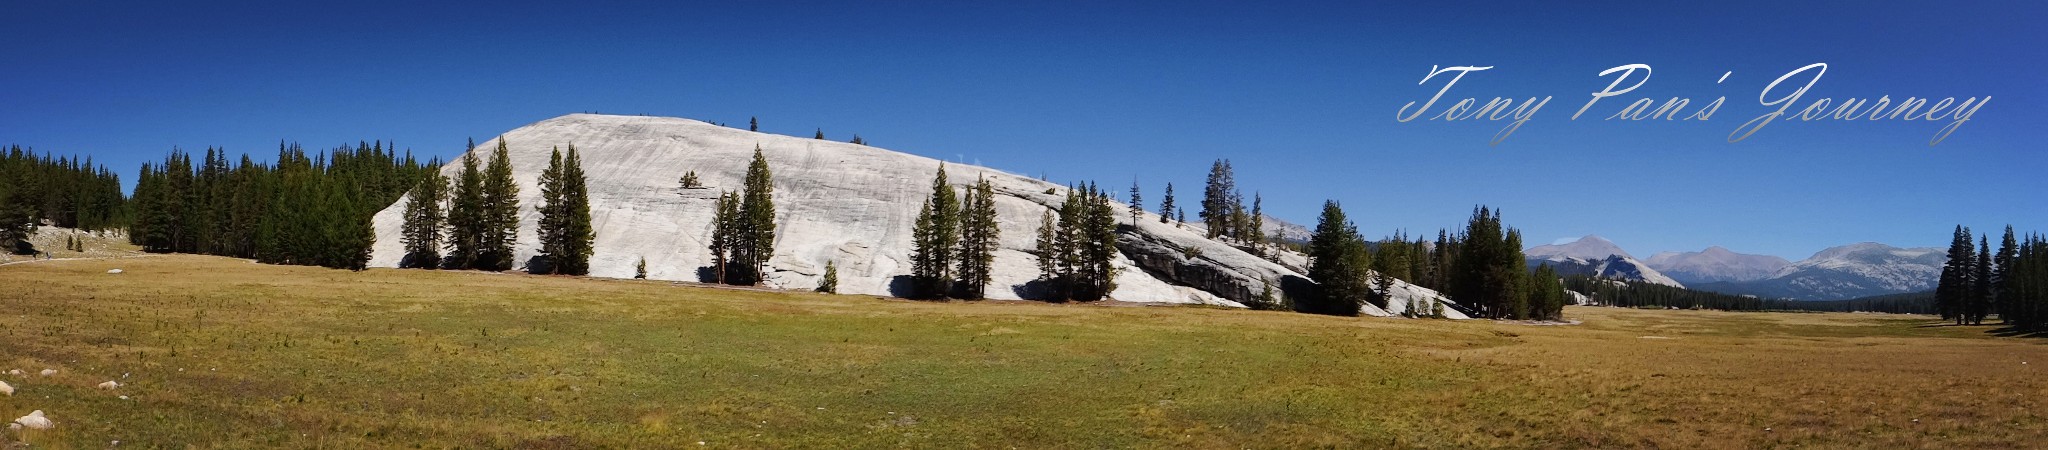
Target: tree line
<point>65,191</point>
<point>1638,294</point>
<point>300,209</point>
<point>1481,268</point>
<point>2012,283</point>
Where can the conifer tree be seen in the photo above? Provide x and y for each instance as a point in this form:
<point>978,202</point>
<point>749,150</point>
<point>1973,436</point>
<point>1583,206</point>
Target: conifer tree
<point>549,226</point>
<point>500,212</point>
<point>690,180</point>
<point>725,235</point>
<point>425,222</point>
<point>1137,204</point>
<point>1952,295</point>
<point>1254,227</point>
<point>1046,247</point>
<point>755,231</point>
<point>1338,263</point>
<point>820,135</point>
<point>936,236</point>
<point>2008,251</point>
<point>1980,286</point>
<point>578,233</point>
<point>1216,204</point>
<point>830,283</point>
<point>640,269</point>
<point>466,213</point>
<point>1166,205</point>
<point>753,124</point>
<point>980,236</point>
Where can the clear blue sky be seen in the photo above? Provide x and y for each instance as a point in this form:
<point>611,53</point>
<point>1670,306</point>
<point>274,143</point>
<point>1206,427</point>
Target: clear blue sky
<point>1302,97</point>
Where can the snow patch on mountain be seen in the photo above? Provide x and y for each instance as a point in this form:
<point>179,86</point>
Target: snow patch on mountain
<point>1595,256</point>
<point>1716,264</point>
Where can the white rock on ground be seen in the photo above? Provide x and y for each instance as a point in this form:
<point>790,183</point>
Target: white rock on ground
<point>110,385</point>
<point>6,389</point>
<point>114,271</point>
<point>49,372</point>
<point>14,372</point>
<point>35,421</point>
<point>835,201</point>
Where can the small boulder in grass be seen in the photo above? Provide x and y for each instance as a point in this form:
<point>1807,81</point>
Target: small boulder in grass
<point>35,421</point>
<point>115,271</point>
<point>14,372</point>
<point>49,372</point>
<point>110,385</point>
<point>6,389</point>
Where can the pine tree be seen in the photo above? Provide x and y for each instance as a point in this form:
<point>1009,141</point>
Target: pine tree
<point>578,233</point>
<point>466,213</point>
<point>980,236</point>
<point>1137,205</point>
<point>1255,224</point>
<point>830,283</point>
<point>1546,294</point>
<point>549,226</point>
<point>1338,262</point>
<point>1953,293</point>
<point>1514,279</point>
<point>640,269</point>
<point>753,124</point>
<point>1047,248</point>
<point>1980,285</point>
<point>820,135</point>
<point>755,218</point>
<point>1166,205</point>
<point>725,235</point>
<point>936,236</point>
<point>425,222</point>
<point>1216,204</point>
<point>500,212</point>
<point>2001,278</point>
<point>690,180</point>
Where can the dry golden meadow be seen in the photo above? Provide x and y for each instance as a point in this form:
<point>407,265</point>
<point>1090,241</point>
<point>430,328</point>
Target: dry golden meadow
<point>224,353</point>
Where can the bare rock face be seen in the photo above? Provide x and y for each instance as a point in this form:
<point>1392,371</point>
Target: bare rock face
<point>849,204</point>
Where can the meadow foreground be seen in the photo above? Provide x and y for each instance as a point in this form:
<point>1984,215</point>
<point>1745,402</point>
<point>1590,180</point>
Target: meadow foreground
<point>219,352</point>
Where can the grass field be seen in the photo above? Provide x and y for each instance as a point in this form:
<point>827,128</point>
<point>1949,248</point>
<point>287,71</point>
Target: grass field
<point>217,352</point>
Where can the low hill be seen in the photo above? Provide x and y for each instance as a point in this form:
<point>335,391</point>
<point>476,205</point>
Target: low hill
<point>838,202</point>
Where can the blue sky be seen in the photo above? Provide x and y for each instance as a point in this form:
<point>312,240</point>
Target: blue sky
<point>1301,96</point>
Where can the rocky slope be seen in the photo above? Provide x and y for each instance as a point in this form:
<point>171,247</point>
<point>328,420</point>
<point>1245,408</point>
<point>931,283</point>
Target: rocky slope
<point>839,202</point>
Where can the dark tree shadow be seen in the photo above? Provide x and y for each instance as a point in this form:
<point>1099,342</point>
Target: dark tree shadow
<point>23,247</point>
<point>707,274</point>
<point>1033,290</point>
<point>902,286</point>
<point>2019,333</point>
<point>539,265</point>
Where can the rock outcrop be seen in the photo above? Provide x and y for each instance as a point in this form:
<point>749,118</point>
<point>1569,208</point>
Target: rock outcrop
<point>849,204</point>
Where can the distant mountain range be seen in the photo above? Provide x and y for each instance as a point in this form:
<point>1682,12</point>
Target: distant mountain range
<point>1845,272</point>
<point>1716,264</point>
